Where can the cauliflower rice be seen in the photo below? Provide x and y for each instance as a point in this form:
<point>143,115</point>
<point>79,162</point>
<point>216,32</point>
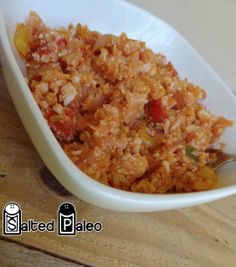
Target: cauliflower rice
<point>121,112</point>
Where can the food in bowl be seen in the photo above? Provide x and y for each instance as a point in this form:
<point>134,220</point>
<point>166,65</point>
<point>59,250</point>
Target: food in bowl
<point>121,112</point>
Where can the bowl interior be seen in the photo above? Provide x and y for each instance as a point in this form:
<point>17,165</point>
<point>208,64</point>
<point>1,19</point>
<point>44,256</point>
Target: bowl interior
<point>117,16</point>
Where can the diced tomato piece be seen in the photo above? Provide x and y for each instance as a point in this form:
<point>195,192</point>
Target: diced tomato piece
<point>86,158</point>
<point>62,43</point>
<point>40,46</point>
<point>181,99</point>
<point>64,66</point>
<point>35,31</point>
<point>81,123</point>
<point>49,113</point>
<point>37,78</point>
<point>69,112</point>
<point>63,127</point>
<point>43,50</point>
<point>156,110</point>
<point>63,130</point>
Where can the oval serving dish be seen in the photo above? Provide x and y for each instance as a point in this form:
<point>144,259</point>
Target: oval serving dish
<point>112,17</point>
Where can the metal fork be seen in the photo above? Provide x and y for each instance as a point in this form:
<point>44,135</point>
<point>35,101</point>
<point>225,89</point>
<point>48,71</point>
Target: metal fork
<point>222,158</point>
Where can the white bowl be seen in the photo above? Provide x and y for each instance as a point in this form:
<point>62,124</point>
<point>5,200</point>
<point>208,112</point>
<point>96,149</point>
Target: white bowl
<point>111,17</point>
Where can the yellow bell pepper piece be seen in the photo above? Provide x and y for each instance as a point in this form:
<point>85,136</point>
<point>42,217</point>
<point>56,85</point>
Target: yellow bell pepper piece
<point>62,31</point>
<point>22,39</point>
<point>208,177</point>
<point>148,139</point>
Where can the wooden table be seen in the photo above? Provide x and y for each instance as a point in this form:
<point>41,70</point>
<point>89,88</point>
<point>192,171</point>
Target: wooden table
<point>198,236</point>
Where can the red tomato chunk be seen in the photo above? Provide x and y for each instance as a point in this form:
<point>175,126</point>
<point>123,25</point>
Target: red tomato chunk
<point>156,110</point>
<point>63,127</point>
<point>62,43</point>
